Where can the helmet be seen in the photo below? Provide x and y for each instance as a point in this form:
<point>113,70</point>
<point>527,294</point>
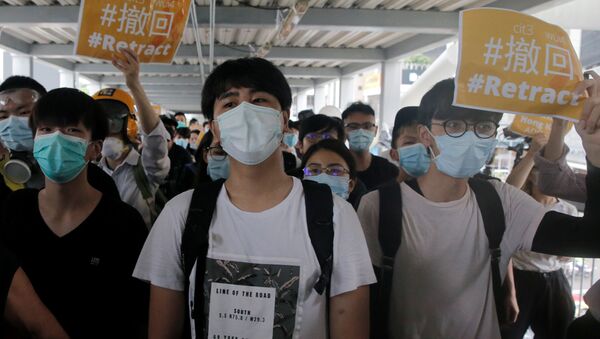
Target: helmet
<point>331,111</point>
<point>116,94</point>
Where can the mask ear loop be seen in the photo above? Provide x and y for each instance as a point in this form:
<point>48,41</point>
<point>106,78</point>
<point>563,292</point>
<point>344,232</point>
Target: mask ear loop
<point>431,152</point>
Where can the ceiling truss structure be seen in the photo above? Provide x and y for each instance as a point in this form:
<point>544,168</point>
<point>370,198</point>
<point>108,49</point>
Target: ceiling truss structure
<point>335,38</point>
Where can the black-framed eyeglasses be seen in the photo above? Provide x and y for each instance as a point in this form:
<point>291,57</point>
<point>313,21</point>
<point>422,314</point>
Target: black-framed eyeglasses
<point>354,126</point>
<point>216,152</point>
<point>457,128</point>
<point>316,137</point>
<point>334,170</point>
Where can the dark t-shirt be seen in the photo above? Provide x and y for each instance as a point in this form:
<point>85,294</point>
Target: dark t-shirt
<point>380,172</point>
<point>83,277</point>
<point>103,182</point>
<point>8,267</point>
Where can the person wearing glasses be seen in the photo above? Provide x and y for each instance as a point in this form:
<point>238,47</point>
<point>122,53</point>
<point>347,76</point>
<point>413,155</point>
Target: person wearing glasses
<point>444,274</point>
<point>361,129</point>
<point>330,162</point>
<point>316,128</point>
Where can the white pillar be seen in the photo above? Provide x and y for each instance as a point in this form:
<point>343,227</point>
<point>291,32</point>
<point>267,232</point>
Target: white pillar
<point>346,92</point>
<point>320,98</point>
<point>67,78</point>
<point>301,101</point>
<point>391,73</point>
<point>22,65</point>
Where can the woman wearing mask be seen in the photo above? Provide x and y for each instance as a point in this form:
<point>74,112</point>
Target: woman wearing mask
<point>330,162</point>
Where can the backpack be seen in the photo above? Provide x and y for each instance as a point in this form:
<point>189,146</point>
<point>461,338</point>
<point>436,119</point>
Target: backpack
<point>194,243</point>
<point>390,237</point>
<point>155,200</point>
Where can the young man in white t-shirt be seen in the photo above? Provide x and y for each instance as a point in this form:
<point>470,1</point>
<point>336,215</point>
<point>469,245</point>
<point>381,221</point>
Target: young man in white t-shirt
<point>260,267</point>
<point>442,281</point>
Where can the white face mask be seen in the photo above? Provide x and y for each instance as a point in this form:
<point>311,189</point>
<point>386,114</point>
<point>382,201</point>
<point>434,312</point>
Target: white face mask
<point>113,148</point>
<point>249,133</point>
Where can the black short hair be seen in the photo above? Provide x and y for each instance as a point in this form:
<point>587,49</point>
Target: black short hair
<point>170,124</point>
<point>406,117</point>
<point>321,122</point>
<point>358,107</point>
<point>437,104</point>
<point>205,143</point>
<point>68,106</point>
<point>184,132</point>
<point>193,121</point>
<point>335,146</point>
<point>195,131</point>
<point>205,123</point>
<point>178,114</point>
<point>294,124</point>
<point>18,82</point>
<point>255,73</point>
<point>307,113</point>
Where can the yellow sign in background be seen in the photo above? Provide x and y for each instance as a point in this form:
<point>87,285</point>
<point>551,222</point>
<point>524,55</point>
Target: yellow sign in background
<point>151,28</point>
<point>514,63</point>
<point>529,125</point>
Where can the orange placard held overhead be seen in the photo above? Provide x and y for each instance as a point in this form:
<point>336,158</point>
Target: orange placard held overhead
<point>529,125</point>
<point>151,28</point>
<point>510,62</point>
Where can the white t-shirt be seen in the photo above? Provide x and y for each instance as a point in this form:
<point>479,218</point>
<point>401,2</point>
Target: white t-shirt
<point>442,284</point>
<point>261,267</point>
<point>538,262</point>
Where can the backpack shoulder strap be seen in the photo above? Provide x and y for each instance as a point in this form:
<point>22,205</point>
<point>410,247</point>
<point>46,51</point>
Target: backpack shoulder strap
<point>390,237</point>
<point>194,243</point>
<point>141,180</point>
<point>319,217</point>
<point>390,222</point>
<point>492,214</point>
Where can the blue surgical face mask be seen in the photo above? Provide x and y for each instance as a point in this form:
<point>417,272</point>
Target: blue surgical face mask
<point>339,185</point>
<point>61,157</point>
<point>181,124</point>
<point>414,159</point>
<point>16,134</point>
<point>360,139</point>
<point>218,168</point>
<point>290,139</point>
<point>182,142</point>
<point>463,157</point>
<point>250,133</point>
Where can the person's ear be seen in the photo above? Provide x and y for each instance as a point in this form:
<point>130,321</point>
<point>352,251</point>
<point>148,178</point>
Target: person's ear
<point>214,128</point>
<point>394,154</point>
<point>285,115</point>
<point>427,139</point>
<point>351,185</point>
<point>94,150</point>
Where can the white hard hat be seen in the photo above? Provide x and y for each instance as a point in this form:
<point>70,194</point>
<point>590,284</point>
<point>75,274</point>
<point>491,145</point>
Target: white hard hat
<point>331,111</point>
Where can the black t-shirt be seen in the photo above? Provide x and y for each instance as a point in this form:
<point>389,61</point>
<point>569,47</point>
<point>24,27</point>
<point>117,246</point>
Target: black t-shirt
<point>103,182</point>
<point>380,172</point>
<point>8,267</point>
<point>84,277</point>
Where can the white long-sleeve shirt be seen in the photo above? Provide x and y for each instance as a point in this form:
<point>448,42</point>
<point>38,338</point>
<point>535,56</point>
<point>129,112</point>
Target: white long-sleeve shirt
<point>156,164</point>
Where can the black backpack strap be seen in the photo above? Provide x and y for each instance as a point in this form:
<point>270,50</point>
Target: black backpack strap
<point>194,245</point>
<point>390,237</point>
<point>492,214</point>
<point>319,217</point>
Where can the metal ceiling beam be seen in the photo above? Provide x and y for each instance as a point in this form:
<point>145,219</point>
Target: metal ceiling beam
<point>334,19</point>
<point>13,44</point>
<point>224,52</point>
<point>149,81</point>
<point>108,70</point>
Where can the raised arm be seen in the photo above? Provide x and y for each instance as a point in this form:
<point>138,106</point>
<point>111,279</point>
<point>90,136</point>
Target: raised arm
<point>518,175</point>
<point>129,65</point>
<point>561,234</point>
<point>556,178</point>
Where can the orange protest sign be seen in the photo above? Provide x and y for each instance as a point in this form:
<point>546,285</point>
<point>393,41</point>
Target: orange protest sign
<point>529,125</point>
<point>152,28</point>
<point>514,63</point>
